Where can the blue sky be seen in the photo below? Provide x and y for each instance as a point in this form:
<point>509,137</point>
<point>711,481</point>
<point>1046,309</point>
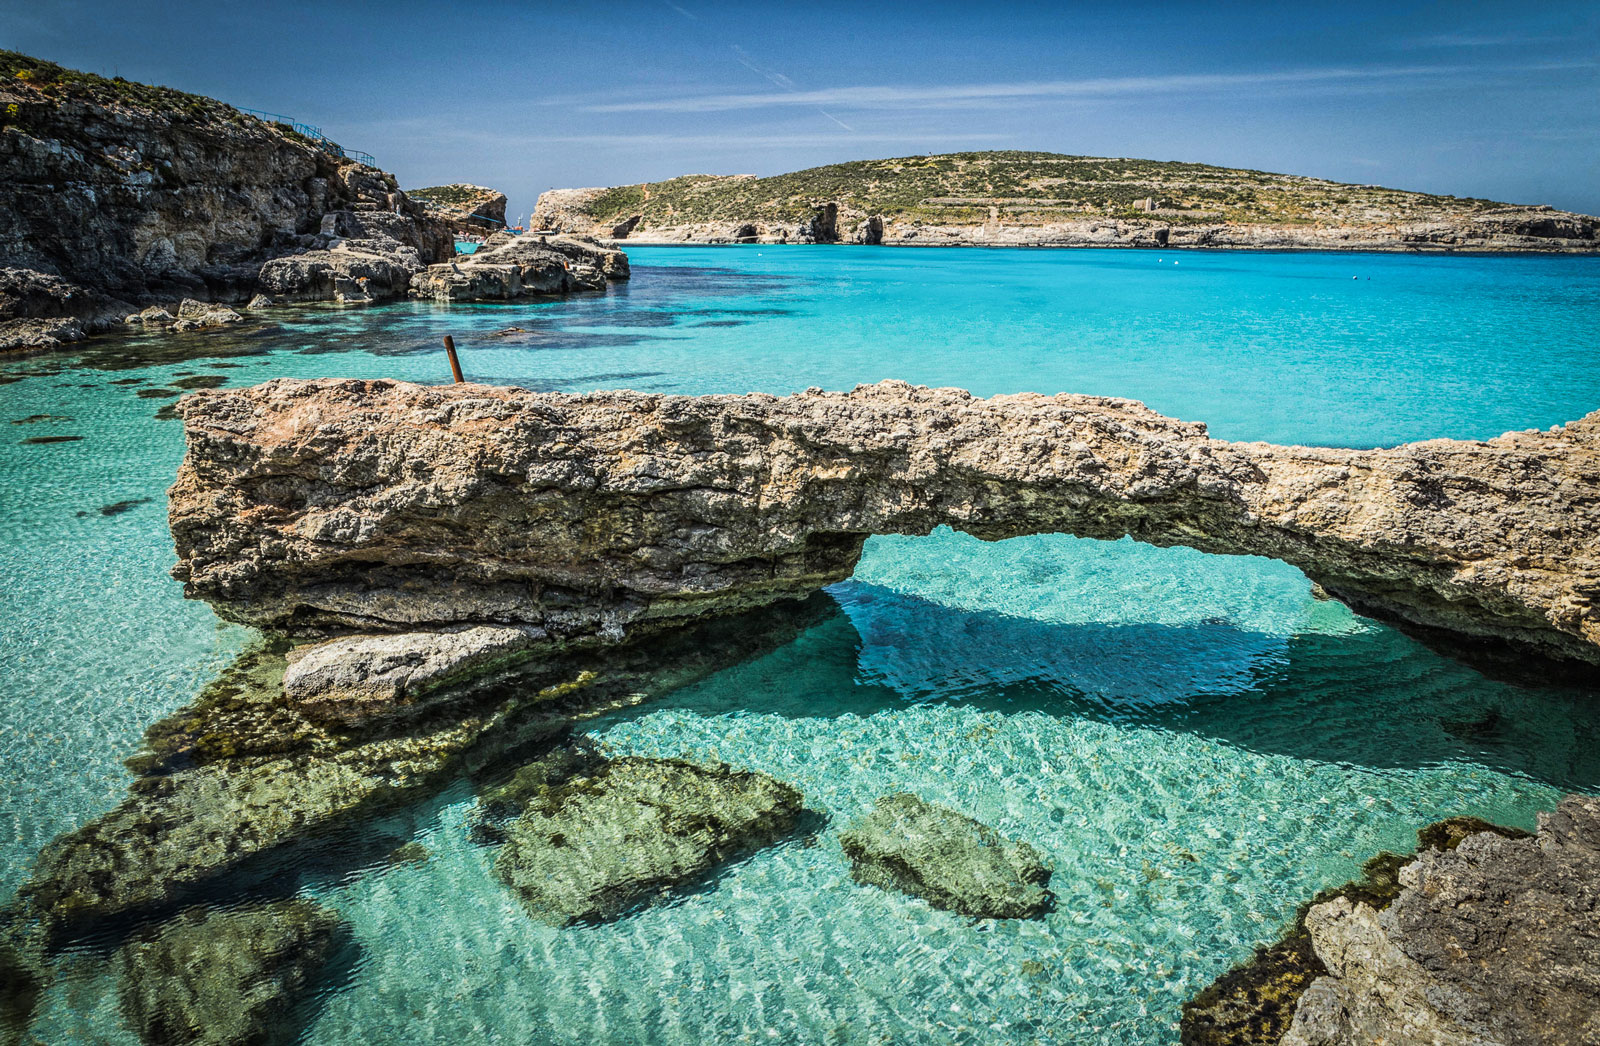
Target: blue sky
<point>1476,99</point>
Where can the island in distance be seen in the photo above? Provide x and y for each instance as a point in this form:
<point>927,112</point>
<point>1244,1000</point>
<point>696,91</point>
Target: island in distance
<point>1035,199</point>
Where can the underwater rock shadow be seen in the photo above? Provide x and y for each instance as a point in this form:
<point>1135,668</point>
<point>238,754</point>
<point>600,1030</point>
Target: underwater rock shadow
<point>1287,695</point>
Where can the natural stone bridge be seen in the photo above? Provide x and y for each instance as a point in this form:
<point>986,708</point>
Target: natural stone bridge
<point>323,508</point>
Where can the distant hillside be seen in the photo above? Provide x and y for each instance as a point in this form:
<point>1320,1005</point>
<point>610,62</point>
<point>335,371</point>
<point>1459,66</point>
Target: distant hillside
<point>956,197</point>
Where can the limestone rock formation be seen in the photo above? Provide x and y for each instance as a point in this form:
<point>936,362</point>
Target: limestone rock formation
<point>114,195</point>
<point>594,846</point>
<point>354,678</point>
<point>523,266</point>
<point>1493,943</point>
<point>474,209</point>
<point>198,315</point>
<point>333,506</point>
<point>1034,199</point>
<point>224,978</point>
<point>947,859</point>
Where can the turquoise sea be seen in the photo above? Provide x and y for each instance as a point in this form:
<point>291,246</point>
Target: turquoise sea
<point>1194,742</point>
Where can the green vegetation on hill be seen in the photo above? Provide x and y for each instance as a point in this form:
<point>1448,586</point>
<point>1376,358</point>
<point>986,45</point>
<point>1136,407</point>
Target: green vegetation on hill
<point>448,195</point>
<point>34,78</point>
<point>59,83</point>
<point>1025,187</point>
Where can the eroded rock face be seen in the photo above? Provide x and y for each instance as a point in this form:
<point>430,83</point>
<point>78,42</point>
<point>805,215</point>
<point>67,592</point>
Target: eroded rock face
<point>355,678</point>
<point>114,195</point>
<point>947,859</point>
<point>335,506</point>
<point>521,267</point>
<point>595,845</point>
<point>224,978</point>
<point>1493,943</point>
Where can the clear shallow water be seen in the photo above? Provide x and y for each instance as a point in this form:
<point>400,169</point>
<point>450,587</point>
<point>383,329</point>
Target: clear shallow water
<point>1120,707</point>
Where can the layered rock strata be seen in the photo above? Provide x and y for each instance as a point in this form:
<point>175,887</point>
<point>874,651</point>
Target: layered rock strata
<point>328,507</point>
<point>949,860</point>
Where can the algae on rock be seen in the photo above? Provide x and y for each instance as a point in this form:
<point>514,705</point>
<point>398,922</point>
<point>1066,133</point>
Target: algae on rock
<point>594,846</point>
<point>230,978</point>
<point>948,859</point>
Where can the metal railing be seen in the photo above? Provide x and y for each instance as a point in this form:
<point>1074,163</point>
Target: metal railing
<point>313,132</point>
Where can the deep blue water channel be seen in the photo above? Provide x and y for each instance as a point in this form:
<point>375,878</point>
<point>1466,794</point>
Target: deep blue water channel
<point>1195,743</point>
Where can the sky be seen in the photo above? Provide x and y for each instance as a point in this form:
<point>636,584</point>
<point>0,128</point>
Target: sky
<point>1496,100</point>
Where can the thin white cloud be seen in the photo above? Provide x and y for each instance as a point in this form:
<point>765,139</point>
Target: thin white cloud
<point>774,141</point>
<point>1482,40</point>
<point>964,95</point>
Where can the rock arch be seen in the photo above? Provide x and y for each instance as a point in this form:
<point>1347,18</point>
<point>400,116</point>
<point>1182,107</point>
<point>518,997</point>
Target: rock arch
<point>336,506</point>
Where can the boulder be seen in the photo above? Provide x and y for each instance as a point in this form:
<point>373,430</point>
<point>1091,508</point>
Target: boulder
<point>262,301</point>
<point>225,978</point>
<point>356,678</point>
<point>198,315</point>
<point>523,266</point>
<point>594,846</point>
<point>155,314</point>
<point>366,270</point>
<point>1495,942</point>
<point>947,859</point>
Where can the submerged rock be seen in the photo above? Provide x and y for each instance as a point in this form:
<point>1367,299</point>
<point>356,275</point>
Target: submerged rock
<point>594,846</point>
<point>347,505</point>
<point>228,978</point>
<point>1493,943</point>
<point>947,859</point>
<point>243,781</point>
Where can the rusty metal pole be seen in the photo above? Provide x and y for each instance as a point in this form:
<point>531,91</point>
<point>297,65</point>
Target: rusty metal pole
<point>455,364</point>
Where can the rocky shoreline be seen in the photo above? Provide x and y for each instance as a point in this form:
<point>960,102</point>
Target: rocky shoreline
<point>1511,233</point>
<point>120,202</point>
<point>1486,936</point>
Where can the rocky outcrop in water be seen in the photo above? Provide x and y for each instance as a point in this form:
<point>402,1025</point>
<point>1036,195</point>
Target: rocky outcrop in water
<point>522,267</point>
<point>329,507</point>
<point>594,845</point>
<point>228,978</point>
<point>1493,943</point>
<point>114,195</point>
<point>947,859</point>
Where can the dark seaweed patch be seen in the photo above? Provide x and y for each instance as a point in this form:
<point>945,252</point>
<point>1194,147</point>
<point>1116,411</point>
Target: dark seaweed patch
<point>34,419</point>
<point>117,508</point>
<point>157,394</point>
<point>32,440</point>
<point>201,381</point>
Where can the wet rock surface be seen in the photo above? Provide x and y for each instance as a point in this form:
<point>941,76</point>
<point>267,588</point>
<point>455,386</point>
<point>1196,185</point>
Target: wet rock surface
<point>1493,943</point>
<point>230,978</point>
<point>330,506</point>
<point>946,858</point>
<point>593,845</point>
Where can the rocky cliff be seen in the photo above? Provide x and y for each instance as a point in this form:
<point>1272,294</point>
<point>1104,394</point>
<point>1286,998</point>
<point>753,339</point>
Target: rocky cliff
<point>1029,199</point>
<point>472,209</point>
<point>318,507</point>
<point>115,194</point>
